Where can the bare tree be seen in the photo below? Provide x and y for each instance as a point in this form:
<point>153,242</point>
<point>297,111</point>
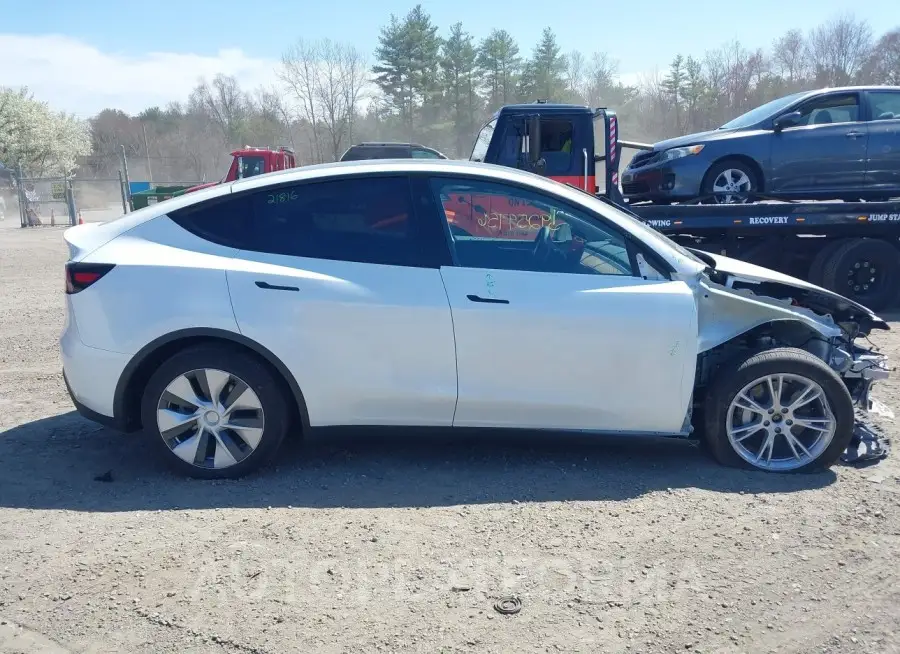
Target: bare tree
<point>600,78</point>
<point>575,73</point>
<point>224,103</point>
<point>790,54</point>
<point>839,49</point>
<point>299,71</point>
<point>356,68</point>
<point>883,66</point>
<point>327,79</point>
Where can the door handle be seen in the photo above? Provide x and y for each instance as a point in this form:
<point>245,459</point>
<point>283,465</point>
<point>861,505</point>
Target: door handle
<point>274,287</point>
<point>854,134</point>
<point>487,300</point>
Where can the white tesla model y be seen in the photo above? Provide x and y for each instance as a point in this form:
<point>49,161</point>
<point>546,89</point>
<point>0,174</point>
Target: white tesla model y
<point>451,294</point>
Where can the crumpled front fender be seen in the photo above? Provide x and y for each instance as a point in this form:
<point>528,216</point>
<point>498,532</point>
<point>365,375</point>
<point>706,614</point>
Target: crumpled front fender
<point>724,313</point>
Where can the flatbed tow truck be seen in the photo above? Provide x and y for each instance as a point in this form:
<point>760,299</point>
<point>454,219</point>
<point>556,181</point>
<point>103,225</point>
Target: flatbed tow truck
<point>848,247</point>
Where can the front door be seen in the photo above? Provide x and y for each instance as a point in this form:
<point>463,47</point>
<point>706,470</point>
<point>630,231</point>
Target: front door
<point>824,151</point>
<point>554,329</point>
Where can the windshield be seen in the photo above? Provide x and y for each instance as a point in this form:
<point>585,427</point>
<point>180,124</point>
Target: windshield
<point>761,113</point>
<point>479,151</point>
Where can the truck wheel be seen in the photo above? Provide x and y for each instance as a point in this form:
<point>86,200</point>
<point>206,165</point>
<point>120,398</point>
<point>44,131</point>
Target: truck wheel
<point>730,182</point>
<point>817,267</point>
<point>865,270</point>
<point>779,410</point>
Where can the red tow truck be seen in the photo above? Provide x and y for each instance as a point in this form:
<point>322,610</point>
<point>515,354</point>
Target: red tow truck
<point>250,161</point>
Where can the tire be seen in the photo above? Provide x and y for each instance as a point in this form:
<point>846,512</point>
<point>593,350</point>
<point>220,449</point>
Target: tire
<point>817,267</point>
<point>237,441</point>
<point>716,170</point>
<point>793,365</point>
<point>842,272</point>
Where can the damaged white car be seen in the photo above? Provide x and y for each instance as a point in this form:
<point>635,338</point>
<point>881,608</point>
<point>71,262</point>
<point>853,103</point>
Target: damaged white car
<point>445,294</point>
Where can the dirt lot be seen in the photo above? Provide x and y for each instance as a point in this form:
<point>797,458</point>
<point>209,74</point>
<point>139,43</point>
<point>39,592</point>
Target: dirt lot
<point>358,543</point>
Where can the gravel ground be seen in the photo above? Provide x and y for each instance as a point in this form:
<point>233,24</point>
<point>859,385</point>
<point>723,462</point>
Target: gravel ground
<point>363,542</point>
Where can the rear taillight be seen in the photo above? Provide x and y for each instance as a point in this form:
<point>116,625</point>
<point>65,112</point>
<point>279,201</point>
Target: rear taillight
<point>81,275</point>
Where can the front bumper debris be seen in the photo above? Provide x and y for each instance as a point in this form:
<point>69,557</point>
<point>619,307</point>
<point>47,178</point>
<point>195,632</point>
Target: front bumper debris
<point>869,443</point>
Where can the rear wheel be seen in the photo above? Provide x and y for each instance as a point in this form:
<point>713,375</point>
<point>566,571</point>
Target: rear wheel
<point>214,412</point>
<point>865,270</point>
<point>820,260</point>
<point>780,410</point>
<point>730,182</point>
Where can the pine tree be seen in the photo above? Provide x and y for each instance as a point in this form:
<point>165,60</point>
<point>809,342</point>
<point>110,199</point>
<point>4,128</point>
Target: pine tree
<point>407,71</point>
<point>545,73</point>
<point>458,67</point>
<point>500,65</point>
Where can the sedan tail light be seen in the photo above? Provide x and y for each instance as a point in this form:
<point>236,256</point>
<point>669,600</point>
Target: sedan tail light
<point>81,275</point>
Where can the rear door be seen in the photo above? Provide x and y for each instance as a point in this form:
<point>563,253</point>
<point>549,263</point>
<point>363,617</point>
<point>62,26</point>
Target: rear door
<point>341,281</point>
<point>883,171</point>
<point>825,151</point>
<point>562,333</point>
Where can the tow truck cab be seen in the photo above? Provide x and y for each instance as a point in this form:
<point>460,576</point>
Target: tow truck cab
<point>559,141</point>
<point>250,161</point>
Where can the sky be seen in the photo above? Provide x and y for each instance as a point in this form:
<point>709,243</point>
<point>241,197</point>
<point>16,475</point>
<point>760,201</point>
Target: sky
<point>84,56</point>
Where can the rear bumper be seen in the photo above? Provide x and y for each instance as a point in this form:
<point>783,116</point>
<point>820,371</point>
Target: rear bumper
<point>91,376</point>
<point>90,414</point>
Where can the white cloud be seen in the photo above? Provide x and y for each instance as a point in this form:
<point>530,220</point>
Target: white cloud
<point>74,76</point>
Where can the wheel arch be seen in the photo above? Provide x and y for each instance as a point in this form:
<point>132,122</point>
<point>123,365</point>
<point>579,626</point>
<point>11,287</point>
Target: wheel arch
<point>127,398</point>
<point>773,333</point>
<point>743,158</point>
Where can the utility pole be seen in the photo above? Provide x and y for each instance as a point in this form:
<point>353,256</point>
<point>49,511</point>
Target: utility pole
<point>147,152</point>
<point>127,181</point>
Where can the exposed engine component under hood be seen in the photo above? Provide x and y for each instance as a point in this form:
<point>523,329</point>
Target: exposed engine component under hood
<point>736,274</point>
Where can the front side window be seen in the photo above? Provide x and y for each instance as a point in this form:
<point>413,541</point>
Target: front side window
<point>884,105</point>
<point>479,151</point>
<point>505,227</point>
<point>830,109</point>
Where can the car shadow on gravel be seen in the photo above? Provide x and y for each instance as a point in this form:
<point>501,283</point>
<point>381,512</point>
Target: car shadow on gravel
<point>66,462</point>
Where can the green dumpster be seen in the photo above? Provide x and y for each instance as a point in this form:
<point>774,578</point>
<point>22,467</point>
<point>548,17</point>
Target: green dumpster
<point>156,194</point>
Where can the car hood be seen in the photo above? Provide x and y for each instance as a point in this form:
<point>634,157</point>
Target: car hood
<point>762,281</point>
<point>693,139</point>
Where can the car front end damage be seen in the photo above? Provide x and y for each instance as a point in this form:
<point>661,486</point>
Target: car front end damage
<point>745,306</point>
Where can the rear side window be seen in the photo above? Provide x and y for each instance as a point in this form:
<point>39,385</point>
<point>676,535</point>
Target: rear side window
<point>422,153</point>
<point>362,219</point>
<point>225,220</point>
<point>366,219</point>
<point>376,152</point>
<point>884,105</point>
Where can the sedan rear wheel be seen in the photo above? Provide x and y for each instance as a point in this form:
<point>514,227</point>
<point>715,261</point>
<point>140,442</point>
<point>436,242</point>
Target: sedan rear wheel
<point>215,412</point>
<point>780,410</point>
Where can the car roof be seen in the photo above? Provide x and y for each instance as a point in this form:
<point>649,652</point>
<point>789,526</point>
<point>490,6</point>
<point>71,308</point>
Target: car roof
<point>382,144</point>
<point>382,166</point>
<point>333,171</point>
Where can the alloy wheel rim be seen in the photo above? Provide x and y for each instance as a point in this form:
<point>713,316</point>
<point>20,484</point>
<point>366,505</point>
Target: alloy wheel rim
<point>731,186</point>
<point>210,418</point>
<point>780,422</point>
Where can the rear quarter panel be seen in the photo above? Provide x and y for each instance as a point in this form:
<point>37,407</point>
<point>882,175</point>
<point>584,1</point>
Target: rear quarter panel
<point>165,279</point>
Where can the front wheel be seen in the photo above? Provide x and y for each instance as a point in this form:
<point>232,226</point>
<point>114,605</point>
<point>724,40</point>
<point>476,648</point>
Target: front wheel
<point>779,410</point>
<point>730,182</point>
